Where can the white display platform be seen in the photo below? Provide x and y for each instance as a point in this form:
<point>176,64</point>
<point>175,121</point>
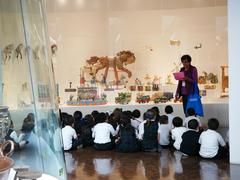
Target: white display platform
<point>217,108</point>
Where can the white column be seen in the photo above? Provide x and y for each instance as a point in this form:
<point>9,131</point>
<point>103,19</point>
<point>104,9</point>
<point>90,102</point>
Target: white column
<point>234,76</point>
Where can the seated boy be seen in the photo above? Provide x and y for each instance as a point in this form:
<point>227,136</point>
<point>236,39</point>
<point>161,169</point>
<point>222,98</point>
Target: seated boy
<point>163,132</point>
<point>70,141</point>
<point>177,132</point>
<point>136,120</point>
<point>190,145</point>
<point>191,115</point>
<point>102,132</point>
<point>169,113</point>
<point>212,143</point>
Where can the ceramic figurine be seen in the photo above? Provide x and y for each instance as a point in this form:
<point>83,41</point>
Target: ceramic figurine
<point>8,51</point>
<point>169,79</point>
<point>82,78</point>
<point>155,83</point>
<point>18,51</point>
<point>138,82</point>
<point>213,78</point>
<point>54,49</point>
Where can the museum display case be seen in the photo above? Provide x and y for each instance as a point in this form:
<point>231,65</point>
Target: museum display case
<point>135,47</point>
<point>27,92</point>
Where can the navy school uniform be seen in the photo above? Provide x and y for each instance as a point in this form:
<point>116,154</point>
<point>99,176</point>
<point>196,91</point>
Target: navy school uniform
<point>150,140</point>
<point>190,145</point>
<point>128,141</point>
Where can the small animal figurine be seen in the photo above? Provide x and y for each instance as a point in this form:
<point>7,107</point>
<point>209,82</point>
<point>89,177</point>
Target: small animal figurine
<point>8,51</point>
<point>18,51</point>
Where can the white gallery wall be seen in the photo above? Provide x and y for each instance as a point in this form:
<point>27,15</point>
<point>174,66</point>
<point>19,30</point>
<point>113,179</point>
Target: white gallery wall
<point>105,30</point>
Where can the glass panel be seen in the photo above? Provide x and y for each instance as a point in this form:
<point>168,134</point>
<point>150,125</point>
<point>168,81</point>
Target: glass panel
<point>27,84</point>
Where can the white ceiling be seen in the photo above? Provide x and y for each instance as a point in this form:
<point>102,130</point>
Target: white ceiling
<point>122,5</point>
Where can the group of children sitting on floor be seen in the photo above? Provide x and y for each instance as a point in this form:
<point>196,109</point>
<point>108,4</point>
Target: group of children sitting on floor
<point>127,132</point>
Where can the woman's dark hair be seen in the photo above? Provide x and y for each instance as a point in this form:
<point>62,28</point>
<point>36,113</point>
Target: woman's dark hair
<point>101,117</point>
<point>193,124</point>
<point>191,112</point>
<point>168,109</point>
<point>186,57</point>
<point>136,113</point>
<point>163,119</point>
<point>177,122</point>
<point>213,124</point>
<point>77,115</point>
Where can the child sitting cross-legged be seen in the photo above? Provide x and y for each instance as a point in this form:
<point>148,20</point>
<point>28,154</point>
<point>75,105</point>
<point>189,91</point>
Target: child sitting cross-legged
<point>212,143</point>
<point>177,132</point>
<point>164,132</point>
<point>127,141</point>
<point>191,115</point>
<point>102,132</point>
<point>70,140</point>
<point>148,133</point>
<point>190,145</point>
<point>169,113</point>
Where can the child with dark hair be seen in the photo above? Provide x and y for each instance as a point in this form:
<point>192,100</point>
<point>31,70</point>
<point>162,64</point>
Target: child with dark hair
<point>12,135</point>
<point>177,132</point>
<point>136,120</point>
<point>69,135</point>
<point>102,132</point>
<point>78,121</point>
<point>94,114</point>
<point>86,130</point>
<point>169,113</point>
<point>191,115</point>
<point>157,113</point>
<point>212,143</point>
<point>190,138</point>
<point>149,133</point>
<point>164,132</point>
<point>112,121</point>
<point>127,141</point>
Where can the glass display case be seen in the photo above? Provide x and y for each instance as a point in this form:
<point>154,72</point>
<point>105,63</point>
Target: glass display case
<point>27,87</point>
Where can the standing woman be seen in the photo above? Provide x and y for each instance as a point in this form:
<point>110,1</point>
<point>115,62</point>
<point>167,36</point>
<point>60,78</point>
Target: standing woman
<point>185,86</point>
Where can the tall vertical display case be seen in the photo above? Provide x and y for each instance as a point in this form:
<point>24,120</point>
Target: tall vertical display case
<point>27,86</point>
